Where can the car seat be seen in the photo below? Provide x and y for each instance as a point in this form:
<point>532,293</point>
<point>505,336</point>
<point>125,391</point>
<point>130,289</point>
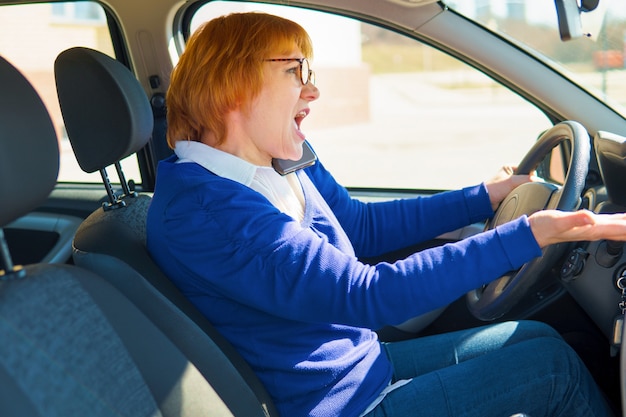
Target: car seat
<point>72,344</point>
<point>108,117</point>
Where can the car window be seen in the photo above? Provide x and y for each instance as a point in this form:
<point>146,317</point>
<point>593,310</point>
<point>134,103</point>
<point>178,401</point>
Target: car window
<point>596,60</point>
<point>32,48</point>
<point>395,113</point>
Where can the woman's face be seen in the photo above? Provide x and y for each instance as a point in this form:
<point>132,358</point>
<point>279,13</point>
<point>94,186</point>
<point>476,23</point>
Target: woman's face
<point>269,127</point>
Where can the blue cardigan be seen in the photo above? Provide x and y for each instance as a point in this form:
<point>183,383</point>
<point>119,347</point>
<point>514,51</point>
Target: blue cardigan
<point>293,297</point>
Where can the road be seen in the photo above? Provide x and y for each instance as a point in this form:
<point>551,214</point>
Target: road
<point>421,136</point>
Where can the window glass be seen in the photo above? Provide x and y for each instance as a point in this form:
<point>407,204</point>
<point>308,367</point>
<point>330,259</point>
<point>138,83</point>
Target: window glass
<point>596,60</point>
<point>53,28</point>
<point>395,113</point>
<point>78,13</point>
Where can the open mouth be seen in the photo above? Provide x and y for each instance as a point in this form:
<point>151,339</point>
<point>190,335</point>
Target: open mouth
<point>298,119</point>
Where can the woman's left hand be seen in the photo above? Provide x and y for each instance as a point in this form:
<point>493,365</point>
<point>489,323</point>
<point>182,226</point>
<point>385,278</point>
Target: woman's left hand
<point>503,183</point>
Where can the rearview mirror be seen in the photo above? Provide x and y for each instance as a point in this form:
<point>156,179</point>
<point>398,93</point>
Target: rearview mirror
<point>568,13</point>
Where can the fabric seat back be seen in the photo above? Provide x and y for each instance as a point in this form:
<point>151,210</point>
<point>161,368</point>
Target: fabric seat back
<point>72,344</point>
<point>111,241</point>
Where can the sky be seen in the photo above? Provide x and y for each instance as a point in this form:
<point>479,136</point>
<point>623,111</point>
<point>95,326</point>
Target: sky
<point>544,11</point>
<point>538,10</point>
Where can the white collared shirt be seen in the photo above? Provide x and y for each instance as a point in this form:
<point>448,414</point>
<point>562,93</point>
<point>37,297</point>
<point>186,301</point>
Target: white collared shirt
<point>284,192</point>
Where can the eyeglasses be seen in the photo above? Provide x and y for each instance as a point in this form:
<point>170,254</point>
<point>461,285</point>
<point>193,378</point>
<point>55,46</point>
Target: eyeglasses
<point>306,73</point>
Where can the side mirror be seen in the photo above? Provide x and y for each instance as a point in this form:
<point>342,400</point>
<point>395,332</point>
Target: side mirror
<point>568,13</point>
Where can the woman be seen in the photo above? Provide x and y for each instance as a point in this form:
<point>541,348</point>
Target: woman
<point>272,260</point>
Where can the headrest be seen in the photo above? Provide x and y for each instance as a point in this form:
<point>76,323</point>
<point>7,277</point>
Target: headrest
<point>29,151</point>
<point>106,111</point>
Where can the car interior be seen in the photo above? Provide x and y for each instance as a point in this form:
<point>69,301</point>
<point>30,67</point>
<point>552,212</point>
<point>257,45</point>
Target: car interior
<point>53,314</point>
<point>89,324</point>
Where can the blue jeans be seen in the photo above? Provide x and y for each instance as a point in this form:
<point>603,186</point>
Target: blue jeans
<point>496,370</point>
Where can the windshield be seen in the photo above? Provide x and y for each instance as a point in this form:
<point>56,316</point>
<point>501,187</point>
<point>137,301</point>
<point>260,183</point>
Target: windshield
<point>596,60</point>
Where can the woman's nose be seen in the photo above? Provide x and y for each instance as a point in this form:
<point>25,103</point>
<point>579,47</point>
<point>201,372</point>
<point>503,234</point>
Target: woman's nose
<point>310,92</point>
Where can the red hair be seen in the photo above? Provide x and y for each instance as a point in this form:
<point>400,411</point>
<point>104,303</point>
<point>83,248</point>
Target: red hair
<point>222,68</point>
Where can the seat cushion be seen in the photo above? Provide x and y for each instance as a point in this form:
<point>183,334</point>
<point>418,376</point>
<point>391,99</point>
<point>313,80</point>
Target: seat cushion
<point>73,345</point>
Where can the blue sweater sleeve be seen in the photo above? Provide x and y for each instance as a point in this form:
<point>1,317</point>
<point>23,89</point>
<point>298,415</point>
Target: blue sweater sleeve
<point>227,240</point>
<point>381,227</point>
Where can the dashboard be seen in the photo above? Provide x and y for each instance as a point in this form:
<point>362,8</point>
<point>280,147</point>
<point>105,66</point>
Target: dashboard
<point>592,271</point>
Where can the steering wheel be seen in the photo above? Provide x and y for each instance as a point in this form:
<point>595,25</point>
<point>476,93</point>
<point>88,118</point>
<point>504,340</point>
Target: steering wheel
<point>498,297</point>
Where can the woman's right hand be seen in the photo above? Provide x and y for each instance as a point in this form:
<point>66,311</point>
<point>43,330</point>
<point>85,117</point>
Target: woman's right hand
<point>553,226</point>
